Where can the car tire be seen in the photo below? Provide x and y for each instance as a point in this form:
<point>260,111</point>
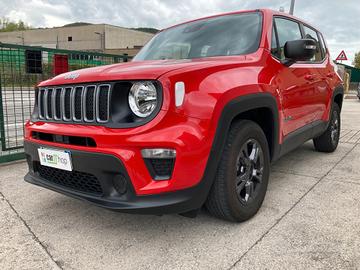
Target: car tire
<point>329,140</point>
<point>242,177</point>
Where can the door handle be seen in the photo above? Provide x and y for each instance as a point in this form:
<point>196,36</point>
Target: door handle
<point>309,77</point>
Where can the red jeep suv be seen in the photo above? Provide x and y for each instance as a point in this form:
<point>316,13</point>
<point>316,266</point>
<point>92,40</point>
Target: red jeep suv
<point>195,119</point>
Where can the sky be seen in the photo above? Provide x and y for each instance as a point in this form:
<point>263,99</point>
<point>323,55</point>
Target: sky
<point>339,21</point>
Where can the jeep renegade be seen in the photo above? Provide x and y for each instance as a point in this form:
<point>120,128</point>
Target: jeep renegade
<point>196,118</point>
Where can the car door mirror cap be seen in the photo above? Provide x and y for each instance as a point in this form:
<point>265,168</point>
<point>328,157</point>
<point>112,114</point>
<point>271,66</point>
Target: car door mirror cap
<point>299,50</point>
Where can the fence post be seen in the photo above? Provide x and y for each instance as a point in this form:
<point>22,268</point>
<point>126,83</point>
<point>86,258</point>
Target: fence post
<point>2,124</point>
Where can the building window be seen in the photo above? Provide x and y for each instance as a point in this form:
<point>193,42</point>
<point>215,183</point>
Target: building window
<point>33,61</point>
<point>69,38</point>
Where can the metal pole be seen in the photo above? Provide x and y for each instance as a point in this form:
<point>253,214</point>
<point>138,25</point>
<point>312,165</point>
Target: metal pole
<point>103,38</point>
<point>292,6</point>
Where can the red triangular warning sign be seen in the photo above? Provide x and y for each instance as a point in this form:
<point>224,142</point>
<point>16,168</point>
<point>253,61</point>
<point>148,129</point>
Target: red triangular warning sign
<point>342,56</point>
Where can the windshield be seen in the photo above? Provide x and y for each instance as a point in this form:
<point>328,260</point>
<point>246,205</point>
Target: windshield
<point>219,36</point>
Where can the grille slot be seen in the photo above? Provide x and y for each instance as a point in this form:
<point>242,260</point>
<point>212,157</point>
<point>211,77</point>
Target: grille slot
<point>41,104</point>
<point>77,102</point>
<point>67,103</point>
<point>80,103</point>
<point>64,139</point>
<point>57,103</point>
<point>78,181</point>
<point>48,104</point>
<point>89,106</point>
<point>103,101</point>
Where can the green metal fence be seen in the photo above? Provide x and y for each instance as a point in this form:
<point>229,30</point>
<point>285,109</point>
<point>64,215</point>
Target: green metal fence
<point>21,68</point>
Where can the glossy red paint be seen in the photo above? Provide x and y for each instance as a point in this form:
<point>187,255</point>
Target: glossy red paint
<point>302,92</point>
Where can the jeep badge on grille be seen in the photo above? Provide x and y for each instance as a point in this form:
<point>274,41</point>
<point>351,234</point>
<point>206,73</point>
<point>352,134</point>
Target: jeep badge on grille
<point>71,76</point>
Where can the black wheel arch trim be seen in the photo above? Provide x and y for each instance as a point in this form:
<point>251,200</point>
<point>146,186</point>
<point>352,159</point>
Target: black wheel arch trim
<point>231,110</point>
<point>241,105</point>
<point>338,90</point>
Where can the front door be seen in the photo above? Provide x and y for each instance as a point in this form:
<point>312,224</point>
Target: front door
<point>296,84</point>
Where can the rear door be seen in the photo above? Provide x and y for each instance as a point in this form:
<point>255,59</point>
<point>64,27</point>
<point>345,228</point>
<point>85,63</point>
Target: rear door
<point>296,84</point>
<point>322,75</point>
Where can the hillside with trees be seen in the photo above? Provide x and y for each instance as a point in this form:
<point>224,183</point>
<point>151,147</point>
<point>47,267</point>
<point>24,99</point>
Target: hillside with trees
<point>8,26</point>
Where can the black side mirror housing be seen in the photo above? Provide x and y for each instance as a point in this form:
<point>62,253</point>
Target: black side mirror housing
<point>299,50</point>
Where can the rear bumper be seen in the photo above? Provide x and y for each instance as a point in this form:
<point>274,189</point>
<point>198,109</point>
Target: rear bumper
<point>106,169</point>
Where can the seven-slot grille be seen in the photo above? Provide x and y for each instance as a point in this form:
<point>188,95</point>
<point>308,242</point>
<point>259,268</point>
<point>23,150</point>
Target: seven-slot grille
<point>82,103</point>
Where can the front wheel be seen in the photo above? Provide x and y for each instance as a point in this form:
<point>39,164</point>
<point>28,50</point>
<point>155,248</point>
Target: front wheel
<point>329,140</point>
<point>242,176</point>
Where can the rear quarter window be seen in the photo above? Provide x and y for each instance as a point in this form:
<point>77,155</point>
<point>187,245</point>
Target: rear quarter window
<point>312,34</point>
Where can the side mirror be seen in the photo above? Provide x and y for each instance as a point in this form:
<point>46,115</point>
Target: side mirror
<point>299,50</point>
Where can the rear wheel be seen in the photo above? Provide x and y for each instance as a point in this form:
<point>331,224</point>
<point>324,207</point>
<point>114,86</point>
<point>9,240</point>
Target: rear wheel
<point>329,140</point>
<point>242,177</point>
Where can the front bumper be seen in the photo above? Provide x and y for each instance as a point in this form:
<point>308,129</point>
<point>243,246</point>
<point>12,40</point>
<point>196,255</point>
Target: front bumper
<point>190,138</point>
<point>106,168</point>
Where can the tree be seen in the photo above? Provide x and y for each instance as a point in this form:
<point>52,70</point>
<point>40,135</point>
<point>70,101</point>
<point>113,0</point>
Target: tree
<point>356,61</point>
<point>8,26</point>
<point>146,30</point>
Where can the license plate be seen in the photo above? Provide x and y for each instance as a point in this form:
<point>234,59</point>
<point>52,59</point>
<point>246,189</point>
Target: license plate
<point>55,159</point>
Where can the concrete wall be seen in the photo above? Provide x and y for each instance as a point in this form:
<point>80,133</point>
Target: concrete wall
<point>117,37</point>
<point>83,37</point>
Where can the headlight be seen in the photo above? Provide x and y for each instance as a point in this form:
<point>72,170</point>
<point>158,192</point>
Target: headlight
<point>143,98</point>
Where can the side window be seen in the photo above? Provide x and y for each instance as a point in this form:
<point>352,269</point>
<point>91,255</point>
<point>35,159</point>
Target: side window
<point>311,34</point>
<point>322,44</point>
<point>274,46</point>
<point>287,30</point>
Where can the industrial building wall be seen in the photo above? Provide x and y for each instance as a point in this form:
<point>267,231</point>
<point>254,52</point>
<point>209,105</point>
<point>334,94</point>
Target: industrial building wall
<point>122,38</point>
<point>83,37</point>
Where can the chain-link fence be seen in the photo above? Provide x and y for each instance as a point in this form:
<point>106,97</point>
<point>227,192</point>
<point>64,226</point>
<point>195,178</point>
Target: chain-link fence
<point>21,68</point>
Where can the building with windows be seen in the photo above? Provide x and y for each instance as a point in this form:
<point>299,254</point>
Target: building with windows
<point>84,37</point>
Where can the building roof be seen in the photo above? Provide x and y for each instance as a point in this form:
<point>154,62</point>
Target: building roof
<point>354,72</point>
<point>78,25</point>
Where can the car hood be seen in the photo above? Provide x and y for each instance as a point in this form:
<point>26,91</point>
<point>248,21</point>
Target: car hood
<point>137,70</point>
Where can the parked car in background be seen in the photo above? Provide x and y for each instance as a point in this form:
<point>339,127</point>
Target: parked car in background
<point>195,119</point>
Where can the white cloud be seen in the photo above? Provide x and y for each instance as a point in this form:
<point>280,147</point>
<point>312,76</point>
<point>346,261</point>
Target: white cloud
<point>338,20</point>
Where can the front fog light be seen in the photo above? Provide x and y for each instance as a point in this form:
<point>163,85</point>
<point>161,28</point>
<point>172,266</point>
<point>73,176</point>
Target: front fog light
<point>159,162</point>
<point>158,153</point>
<point>143,98</point>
